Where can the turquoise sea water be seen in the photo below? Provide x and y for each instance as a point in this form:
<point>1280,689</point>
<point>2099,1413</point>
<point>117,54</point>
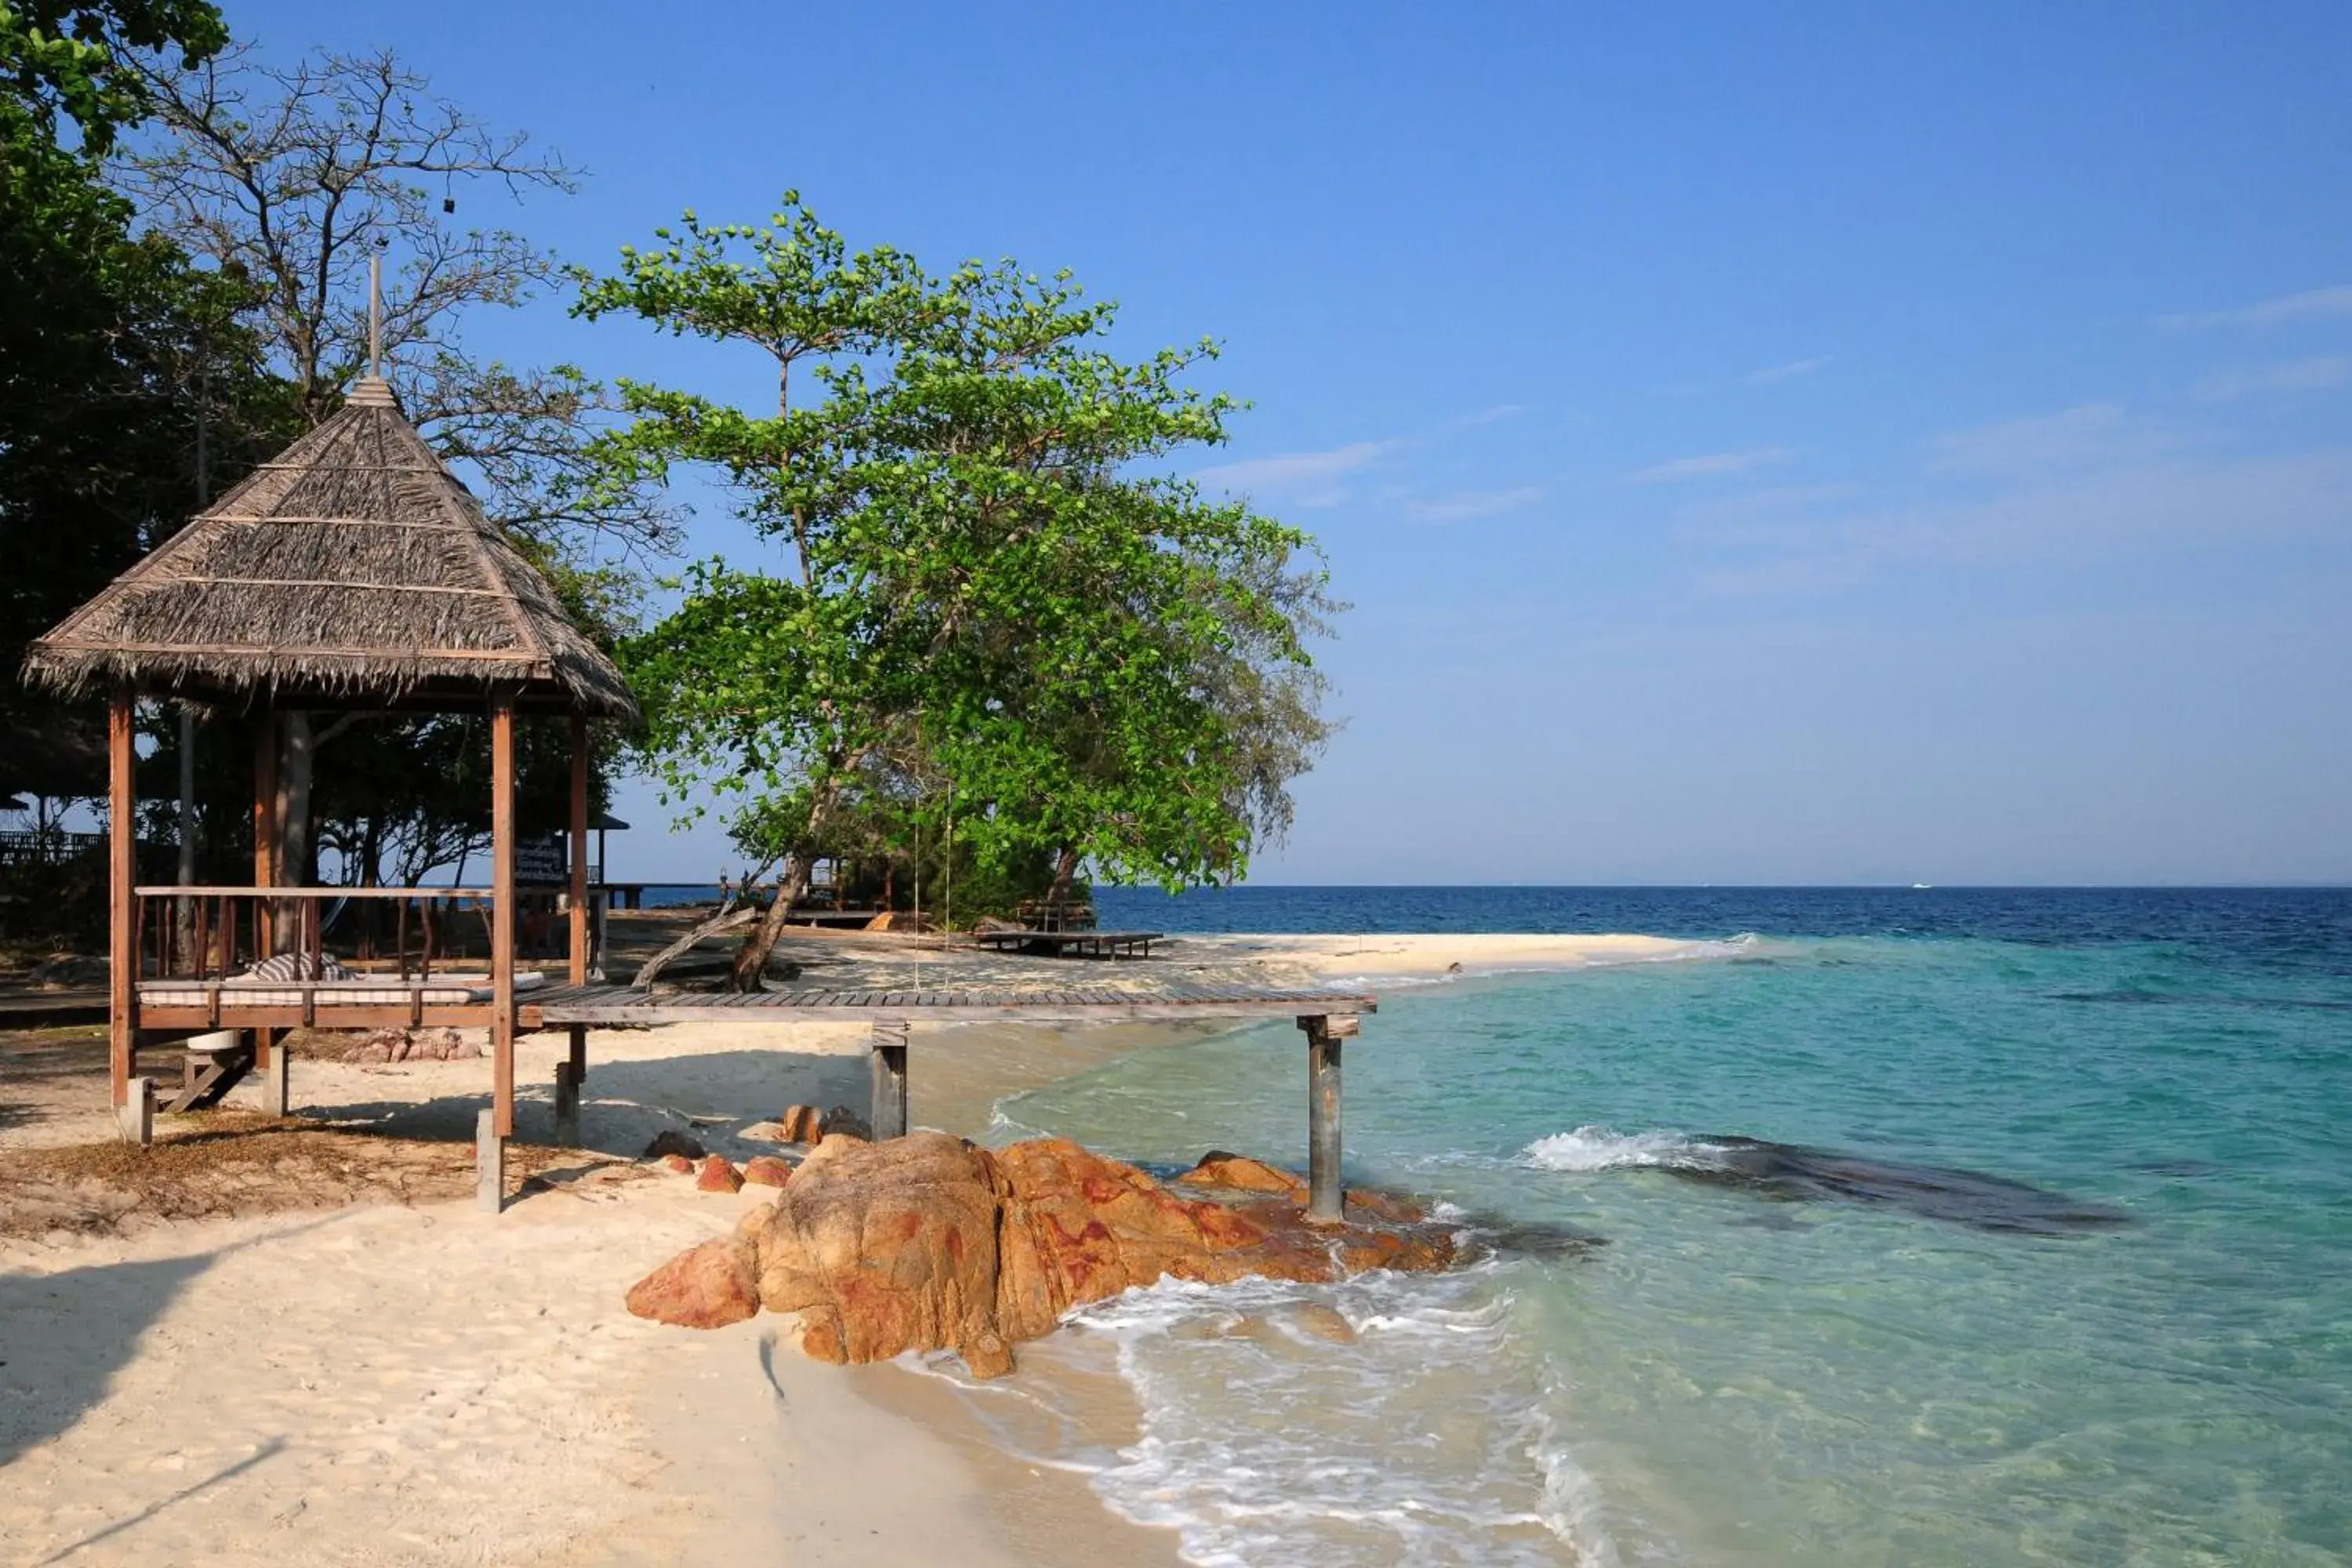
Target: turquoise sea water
<point>1802,1368</point>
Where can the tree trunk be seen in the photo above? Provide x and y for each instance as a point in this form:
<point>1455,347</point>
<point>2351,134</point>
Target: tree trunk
<point>1065,875</point>
<point>295,755</point>
<point>751,963</point>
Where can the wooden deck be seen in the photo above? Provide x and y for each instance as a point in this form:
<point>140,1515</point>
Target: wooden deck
<point>609,1004</point>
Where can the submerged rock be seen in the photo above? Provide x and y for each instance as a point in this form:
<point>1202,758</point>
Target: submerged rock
<point>927,1243</point>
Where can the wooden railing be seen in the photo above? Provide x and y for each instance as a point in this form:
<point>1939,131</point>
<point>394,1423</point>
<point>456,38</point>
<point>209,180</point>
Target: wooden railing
<point>47,847</point>
<point>212,933</point>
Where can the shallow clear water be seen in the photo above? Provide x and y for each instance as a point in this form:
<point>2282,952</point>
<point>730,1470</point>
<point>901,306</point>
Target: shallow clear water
<point>1807,1368</point>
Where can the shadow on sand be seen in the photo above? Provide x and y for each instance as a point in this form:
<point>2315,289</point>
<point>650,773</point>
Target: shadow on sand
<point>64,1336</point>
<point>713,1095</point>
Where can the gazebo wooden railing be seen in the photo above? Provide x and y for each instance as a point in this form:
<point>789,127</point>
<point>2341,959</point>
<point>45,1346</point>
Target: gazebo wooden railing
<point>229,930</point>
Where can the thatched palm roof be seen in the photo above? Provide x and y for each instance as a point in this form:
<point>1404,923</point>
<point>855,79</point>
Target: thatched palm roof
<point>354,571</point>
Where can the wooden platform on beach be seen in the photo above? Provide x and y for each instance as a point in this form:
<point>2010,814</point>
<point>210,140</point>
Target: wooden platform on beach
<point>1072,943</point>
<point>622,1004</point>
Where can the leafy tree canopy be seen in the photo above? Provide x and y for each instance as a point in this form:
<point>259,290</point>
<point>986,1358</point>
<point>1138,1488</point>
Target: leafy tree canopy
<point>77,59</point>
<point>982,573</point>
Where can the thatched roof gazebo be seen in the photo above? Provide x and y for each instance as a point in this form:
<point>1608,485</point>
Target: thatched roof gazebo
<point>354,573</point>
<point>353,570</point>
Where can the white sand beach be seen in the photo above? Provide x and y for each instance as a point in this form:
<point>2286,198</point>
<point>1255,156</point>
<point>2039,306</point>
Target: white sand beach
<point>380,1382</point>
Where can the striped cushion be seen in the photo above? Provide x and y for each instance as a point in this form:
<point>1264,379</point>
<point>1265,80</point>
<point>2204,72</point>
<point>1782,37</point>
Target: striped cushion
<point>297,966</point>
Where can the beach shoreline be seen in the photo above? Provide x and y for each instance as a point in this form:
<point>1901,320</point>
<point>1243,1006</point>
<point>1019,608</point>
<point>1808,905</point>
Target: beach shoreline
<point>395,1384</point>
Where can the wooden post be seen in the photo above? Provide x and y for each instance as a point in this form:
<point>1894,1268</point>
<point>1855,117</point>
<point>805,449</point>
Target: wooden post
<point>277,1081</point>
<point>1326,1197</point>
<point>122,904</point>
<point>578,913</point>
<point>134,1119</point>
<point>889,1078</point>
<point>567,1102</point>
<point>502,912</point>
<point>264,863</point>
<point>489,1164</point>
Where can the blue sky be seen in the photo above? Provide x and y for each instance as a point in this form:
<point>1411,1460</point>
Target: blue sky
<point>1814,443</point>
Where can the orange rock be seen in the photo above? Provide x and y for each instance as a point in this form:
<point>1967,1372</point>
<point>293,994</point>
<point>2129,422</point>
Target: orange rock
<point>801,1124</point>
<point>677,1163</point>
<point>927,1243</point>
<point>707,1287</point>
<point>1241,1174</point>
<point>717,1175</point>
<point>766,1170</point>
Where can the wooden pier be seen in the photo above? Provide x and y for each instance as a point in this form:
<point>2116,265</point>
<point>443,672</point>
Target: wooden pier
<point>1327,1017</point>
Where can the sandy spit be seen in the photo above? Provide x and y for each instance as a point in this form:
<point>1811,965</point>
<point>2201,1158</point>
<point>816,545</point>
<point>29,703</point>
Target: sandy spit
<point>428,1385</point>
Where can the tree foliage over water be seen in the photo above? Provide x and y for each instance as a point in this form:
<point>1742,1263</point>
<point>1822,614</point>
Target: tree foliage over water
<point>981,579</point>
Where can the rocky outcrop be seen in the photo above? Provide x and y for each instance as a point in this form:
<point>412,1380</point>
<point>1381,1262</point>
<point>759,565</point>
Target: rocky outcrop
<point>805,1124</point>
<point>1241,1174</point>
<point>707,1287</point>
<point>402,1045</point>
<point>766,1170</point>
<point>717,1174</point>
<point>670,1140</point>
<point>927,1243</point>
<point>843,1123</point>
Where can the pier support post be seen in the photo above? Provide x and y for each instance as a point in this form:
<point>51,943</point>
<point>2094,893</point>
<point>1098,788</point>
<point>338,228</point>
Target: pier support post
<point>277,1080</point>
<point>889,1117</point>
<point>1326,1197</point>
<point>567,1104</point>
<point>135,1117</point>
<point>489,1163</point>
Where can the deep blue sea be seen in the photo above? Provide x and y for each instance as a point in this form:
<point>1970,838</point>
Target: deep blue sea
<point>2041,1251</point>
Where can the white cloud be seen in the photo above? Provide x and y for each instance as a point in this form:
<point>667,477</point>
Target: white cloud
<point>2323,374</point>
<point>2097,510</point>
<point>1490,415</point>
<point>1789,371</point>
<point>1709,465</point>
<point>2089,433</point>
<point>1303,479</point>
<point>1465,506</point>
<point>2312,305</point>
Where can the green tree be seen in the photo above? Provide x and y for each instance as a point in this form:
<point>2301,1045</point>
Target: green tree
<point>105,337</point>
<point>82,61</point>
<point>983,579</point>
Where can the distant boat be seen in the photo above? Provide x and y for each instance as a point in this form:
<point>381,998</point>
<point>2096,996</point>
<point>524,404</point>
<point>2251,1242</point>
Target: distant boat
<point>1921,886</point>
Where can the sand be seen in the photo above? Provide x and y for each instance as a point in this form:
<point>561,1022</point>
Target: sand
<point>388,1383</point>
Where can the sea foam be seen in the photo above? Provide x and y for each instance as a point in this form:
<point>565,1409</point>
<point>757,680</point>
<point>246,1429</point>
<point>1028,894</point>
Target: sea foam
<point>1597,1148</point>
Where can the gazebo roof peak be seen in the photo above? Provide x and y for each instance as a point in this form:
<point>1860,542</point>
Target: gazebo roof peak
<point>352,570</point>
